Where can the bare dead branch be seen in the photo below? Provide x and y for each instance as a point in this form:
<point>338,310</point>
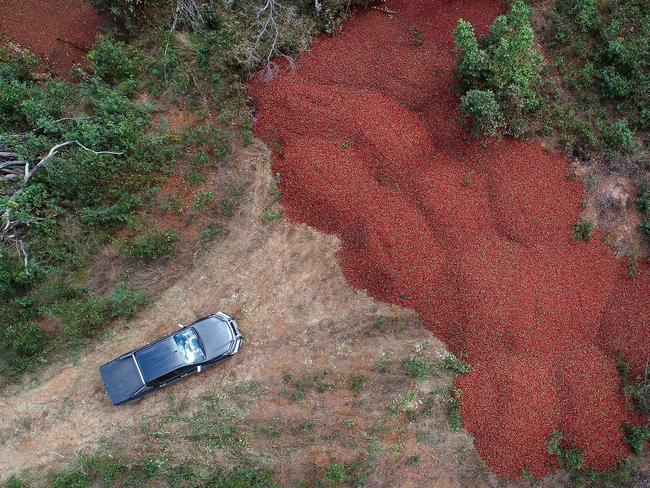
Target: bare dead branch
<point>55,150</point>
<point>21,246</point>
<point>8,164</point>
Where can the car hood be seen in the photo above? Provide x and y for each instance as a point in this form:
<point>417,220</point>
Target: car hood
<point>216,336</point>
<point>121,379</point>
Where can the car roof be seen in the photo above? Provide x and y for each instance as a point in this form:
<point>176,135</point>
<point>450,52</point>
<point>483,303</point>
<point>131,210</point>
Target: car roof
<point>160,358</point>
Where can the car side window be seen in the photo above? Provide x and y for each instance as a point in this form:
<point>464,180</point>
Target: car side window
<point>173,375</point>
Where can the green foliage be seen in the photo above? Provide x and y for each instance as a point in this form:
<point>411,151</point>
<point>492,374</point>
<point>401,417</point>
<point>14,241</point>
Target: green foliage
<point>568,458</point>
<point>336,474</point>
<point>25,338</point>
<point>125,302</point>
<point>202,200</point>
<point>613,84</point>
<point>586,14</point>
<point>271,214</point>
<point>635,389</point>
<point>457,367</point>
<point>112,61</point>
<point>472,59</point>
<point>111,216</point>
<point>636,437</point>
<point>481,107</point>
<point>212,230</point>
<point>114,469</point>
<point>382,366</point>
<point>454,412</point>
<point>358,383</point>
<point>500,75</point>
<point>582,230</point>
<point>153,245</point>
<point>620,137</point>
<point>134,14</point>
<point>420,368</point>
<point>602,51</point>
<point>84,318</point>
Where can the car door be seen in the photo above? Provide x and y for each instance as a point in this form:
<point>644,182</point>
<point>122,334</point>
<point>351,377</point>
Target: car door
<point>174,376</point>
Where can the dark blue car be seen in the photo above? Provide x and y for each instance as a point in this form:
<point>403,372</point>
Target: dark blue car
<point>175,356</point>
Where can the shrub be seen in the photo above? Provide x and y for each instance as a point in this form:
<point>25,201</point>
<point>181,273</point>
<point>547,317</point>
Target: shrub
<point>212,230</point>
<point>637,437</point>
<point>454,411</point>
<point>457,367</point>
<point>471,62</point>
<point>112,61</point>
<point>499,76</point>
<point>620,137</point>
<point>568,458</point>
<point>586,14</point>
<point>358,383</point>
<point>643,204</point>
<point>114,215</point>
<point>154,245</point>
<point>336,474</point>
<point>85,318</point>
<point>13,276</point>
<point>481,107</point>
<point>614,85</point>
<point>419,368</point>
<point>25,338</point>
<point>133,14</point>
<point>582,230</point>
<point>125,302</point>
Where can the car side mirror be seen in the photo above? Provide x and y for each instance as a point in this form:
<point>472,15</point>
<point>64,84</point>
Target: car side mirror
<point>198,369</point>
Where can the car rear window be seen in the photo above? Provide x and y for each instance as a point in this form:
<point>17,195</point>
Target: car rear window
<point>189,345</point>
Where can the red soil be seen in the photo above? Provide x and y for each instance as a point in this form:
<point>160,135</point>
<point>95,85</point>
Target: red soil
<point>476,239</point>
<point>61,32</point>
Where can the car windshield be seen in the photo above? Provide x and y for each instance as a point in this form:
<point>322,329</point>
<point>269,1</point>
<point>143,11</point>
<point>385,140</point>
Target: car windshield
<point>188,344</point>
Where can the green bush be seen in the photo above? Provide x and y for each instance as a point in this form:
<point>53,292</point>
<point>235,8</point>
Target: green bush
<point>569,458</point>
<point>134,14</point>
<point>614,85</point>
<point>336,474</point>
<point>419,368</point>
<point>481,107</point>
<point>24,338</point>
<point>85,318</point>
<point>582,230</point>
<point>112,61</point>
<point>620,137</point>
<point>637,437</point>
<point>115,215</point>
<point>500,75</point>
<point>125,302</point>
<point>643,204</point>
<point>602,50</point>
<point>586,14</point>
<point>153,245</point>
<point>472,60</point>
